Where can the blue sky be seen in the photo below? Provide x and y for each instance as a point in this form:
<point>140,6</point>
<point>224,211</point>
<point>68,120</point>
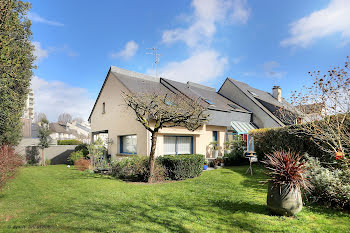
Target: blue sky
<point>263,43</point>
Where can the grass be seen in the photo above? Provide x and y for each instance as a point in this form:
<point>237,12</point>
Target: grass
<point>61,199</point>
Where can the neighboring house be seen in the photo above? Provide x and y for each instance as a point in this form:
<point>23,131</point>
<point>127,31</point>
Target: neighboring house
<point>232,111</point>
<point>313,112</point>
<point>74,130</point>
<point>82,129</point>
<point>61,131</point>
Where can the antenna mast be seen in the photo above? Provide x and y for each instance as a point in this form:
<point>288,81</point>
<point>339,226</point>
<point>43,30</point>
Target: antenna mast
<point>156,58</point>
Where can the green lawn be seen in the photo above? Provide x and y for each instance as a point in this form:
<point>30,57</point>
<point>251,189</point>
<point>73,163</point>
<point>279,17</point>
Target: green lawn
<point>57,198</point>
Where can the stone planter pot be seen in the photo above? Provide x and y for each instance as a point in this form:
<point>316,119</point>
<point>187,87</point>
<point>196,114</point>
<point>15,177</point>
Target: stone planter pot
<point>215,153</point>
<point>283,202</point>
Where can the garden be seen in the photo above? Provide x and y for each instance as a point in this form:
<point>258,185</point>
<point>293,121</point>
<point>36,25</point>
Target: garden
<point>56,198</point>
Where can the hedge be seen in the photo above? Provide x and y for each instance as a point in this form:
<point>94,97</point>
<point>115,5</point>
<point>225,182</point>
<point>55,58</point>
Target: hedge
<point>69,142</point>
<point>268,140</point>
<point>181,167</point>
<point>135,168</point>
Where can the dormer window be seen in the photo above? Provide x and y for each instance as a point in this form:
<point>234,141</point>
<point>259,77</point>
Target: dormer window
<point>103,108</point>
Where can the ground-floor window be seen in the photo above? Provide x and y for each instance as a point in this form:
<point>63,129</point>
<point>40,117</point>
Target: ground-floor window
<point>178,145</point>
<point>128,144</point>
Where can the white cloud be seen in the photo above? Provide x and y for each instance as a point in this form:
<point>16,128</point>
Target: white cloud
<point>335,18</point>
<point>204,62</point>
<point>39,52</point>
<point>199,67</point>
<point>129,50</point>
<point>37,18</point>
<point>55,97</point>
<point>270,70</point>
<point>207,13</point>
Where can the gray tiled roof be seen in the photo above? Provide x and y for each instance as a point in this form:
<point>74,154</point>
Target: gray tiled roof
<point>83,127</point>
<point>138,83</point>
<point>264,98</point>
<point>195,91</point>
<point>58,128</point>
<point>141,83</point>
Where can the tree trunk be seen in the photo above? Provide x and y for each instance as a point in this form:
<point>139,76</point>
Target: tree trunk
<point>42,157</point>
<point>151,157</point>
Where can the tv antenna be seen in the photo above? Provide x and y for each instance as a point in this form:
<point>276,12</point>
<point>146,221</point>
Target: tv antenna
<point>156,58</point>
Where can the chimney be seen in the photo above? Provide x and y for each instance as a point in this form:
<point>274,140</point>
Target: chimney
<point>277,93</point>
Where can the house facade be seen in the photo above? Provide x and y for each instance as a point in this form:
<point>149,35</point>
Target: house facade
<point>231,112</point>
<point>74,130</point>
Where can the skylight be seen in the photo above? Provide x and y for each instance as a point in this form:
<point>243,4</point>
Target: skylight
<point>209,102</point>
<point>253,93</point>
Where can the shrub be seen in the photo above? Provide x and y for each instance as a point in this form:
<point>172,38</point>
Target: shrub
<point>74,156</point>
<point>235,157</point>
<point>136,168</point>
<point>266,141</point>
<point>180,167</point>
<point>84,148</point>
<point>82,164</point>
<point>69,142</point>
<point>9,163</point>
<point>32,155</point>
<point>331,186</point>
<point>48,162</point>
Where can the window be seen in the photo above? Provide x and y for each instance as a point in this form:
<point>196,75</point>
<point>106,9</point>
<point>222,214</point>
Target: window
<point>253,93</point>
<point>215,136</point>
<point>103,108</point>
<point>178,145</point>
<point>209,102</point>
<point>128,144</point>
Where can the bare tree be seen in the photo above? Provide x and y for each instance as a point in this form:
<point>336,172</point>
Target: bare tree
<point>325,108</point>
<point>156,111</point>
<point>64,118</point>
<point>38,117</point>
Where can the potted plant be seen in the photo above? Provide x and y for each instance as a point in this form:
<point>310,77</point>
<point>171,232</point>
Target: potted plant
<point>215,149</point>
<point>227,147</point>
<point>220,161</point>
<point>205,166</point>
<point>215,163</point>
<point>287,178</point>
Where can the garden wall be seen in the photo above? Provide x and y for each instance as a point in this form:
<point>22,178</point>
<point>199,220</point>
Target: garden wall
<point>57,154</point>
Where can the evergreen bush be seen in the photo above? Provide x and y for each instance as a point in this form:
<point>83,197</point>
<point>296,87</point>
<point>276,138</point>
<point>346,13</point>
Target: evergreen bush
<point>74,156</point>
<point>331,186</point>
<point>135,168</point>
<point>181,167</point>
